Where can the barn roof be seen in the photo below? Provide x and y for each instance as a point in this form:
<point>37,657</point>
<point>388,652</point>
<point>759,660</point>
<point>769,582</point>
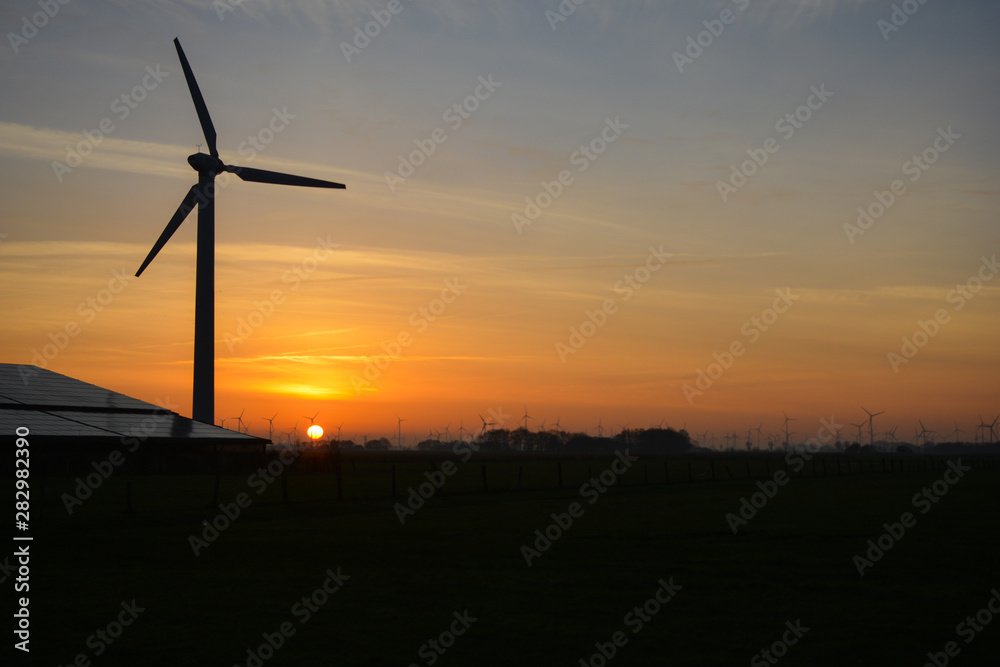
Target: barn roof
<point>58,408</point>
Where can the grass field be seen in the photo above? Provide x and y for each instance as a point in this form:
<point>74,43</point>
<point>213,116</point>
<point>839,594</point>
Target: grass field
<point>462,552</point>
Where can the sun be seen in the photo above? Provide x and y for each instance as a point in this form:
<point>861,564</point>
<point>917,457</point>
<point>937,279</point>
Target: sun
<point>315,432</point>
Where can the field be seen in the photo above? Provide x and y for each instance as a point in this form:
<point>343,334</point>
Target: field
<point>461,553</point>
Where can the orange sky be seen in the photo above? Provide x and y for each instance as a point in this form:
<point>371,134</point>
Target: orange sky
<point>518,291</point>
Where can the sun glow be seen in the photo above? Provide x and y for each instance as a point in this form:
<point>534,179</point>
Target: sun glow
<point>315,432</point>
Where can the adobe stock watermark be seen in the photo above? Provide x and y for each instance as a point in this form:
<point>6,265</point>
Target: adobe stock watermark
<point>249,149</point>
<point>131,439</point>
<point>923,501</point>
<point>796,459</point>
<point>362,38</point>
<point>590,490</point>
<point>696,44</point>
<point>294,276</point>
<point>635,620</point>
<point>929,328</point>
<point>915,167</point>
<point>740,173</point>
<point>302,610</point>
<point>38,20</point>
<point>454,116</point>
<point>563,11</point>
<point>752,330</point>
<point>417,497</point>
<point>900,14</point>
<point>432,650</point>
<point>122,106</point>
<point>779,649</point>
<point>88,310</point>
<point>581,158</point>
<point>968,629</point>
<point>420,320</point>
<point>102,638</point>
<point>230,512</point>
<point>595,320</point>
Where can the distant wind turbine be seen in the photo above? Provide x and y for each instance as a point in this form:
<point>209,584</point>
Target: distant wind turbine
<point>399,431</point>
<point>787,434</point>
<point>270,427</point>
<point>859,427</point>
<point>202,195</point>
<point>871,425</point>
<point>486,424</point>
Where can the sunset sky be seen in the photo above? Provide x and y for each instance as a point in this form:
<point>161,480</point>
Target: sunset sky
<point>292,87</point>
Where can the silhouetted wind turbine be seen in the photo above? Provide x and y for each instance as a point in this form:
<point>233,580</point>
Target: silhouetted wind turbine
<point>312,420</point>
<point>241,428</point>
<point>399,431</point>
<point>859,427</point>
<point>526,417</point>
<point>270,428</point>
<point>871,425</point>
<point>787,434</point>
<point>203,195</point>
<point>485,424</point>
<point>923,432</point>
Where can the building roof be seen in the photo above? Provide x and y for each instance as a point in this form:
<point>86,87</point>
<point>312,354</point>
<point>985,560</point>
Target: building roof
<point>62,409</point>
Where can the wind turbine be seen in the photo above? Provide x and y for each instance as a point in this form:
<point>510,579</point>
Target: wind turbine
<point>558,426</point>
<point>526,417</point>
<point>600,429</point>
<point>891,434</point>
<point>485,424</point>
<point>871,425</point>
<point>923,432</point>
<point>312,420</point>
<point>787,434</point>
<point>202,195</point>
<point>270,428</point>
<point>241,428</point>
<point>399,431</point>
<point>758,434</point>
<point>859,427</point>
<point>993,431</point>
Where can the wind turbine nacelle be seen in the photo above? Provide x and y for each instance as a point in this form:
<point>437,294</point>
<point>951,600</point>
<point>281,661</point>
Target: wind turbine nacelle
<point>202,162</point>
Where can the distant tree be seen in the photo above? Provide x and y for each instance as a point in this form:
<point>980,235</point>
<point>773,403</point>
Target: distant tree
<point>380,444</point>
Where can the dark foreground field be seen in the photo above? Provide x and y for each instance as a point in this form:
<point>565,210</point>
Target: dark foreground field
<point>403,585</point>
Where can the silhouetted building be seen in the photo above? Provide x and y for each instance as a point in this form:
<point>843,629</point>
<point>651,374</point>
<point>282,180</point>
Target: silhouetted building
<point>70,424</point>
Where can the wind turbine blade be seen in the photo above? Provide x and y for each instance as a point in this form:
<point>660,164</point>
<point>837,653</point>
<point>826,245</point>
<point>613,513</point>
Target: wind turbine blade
<point>182,212</point>
<point>199,102</point>
<point>277,178</point>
